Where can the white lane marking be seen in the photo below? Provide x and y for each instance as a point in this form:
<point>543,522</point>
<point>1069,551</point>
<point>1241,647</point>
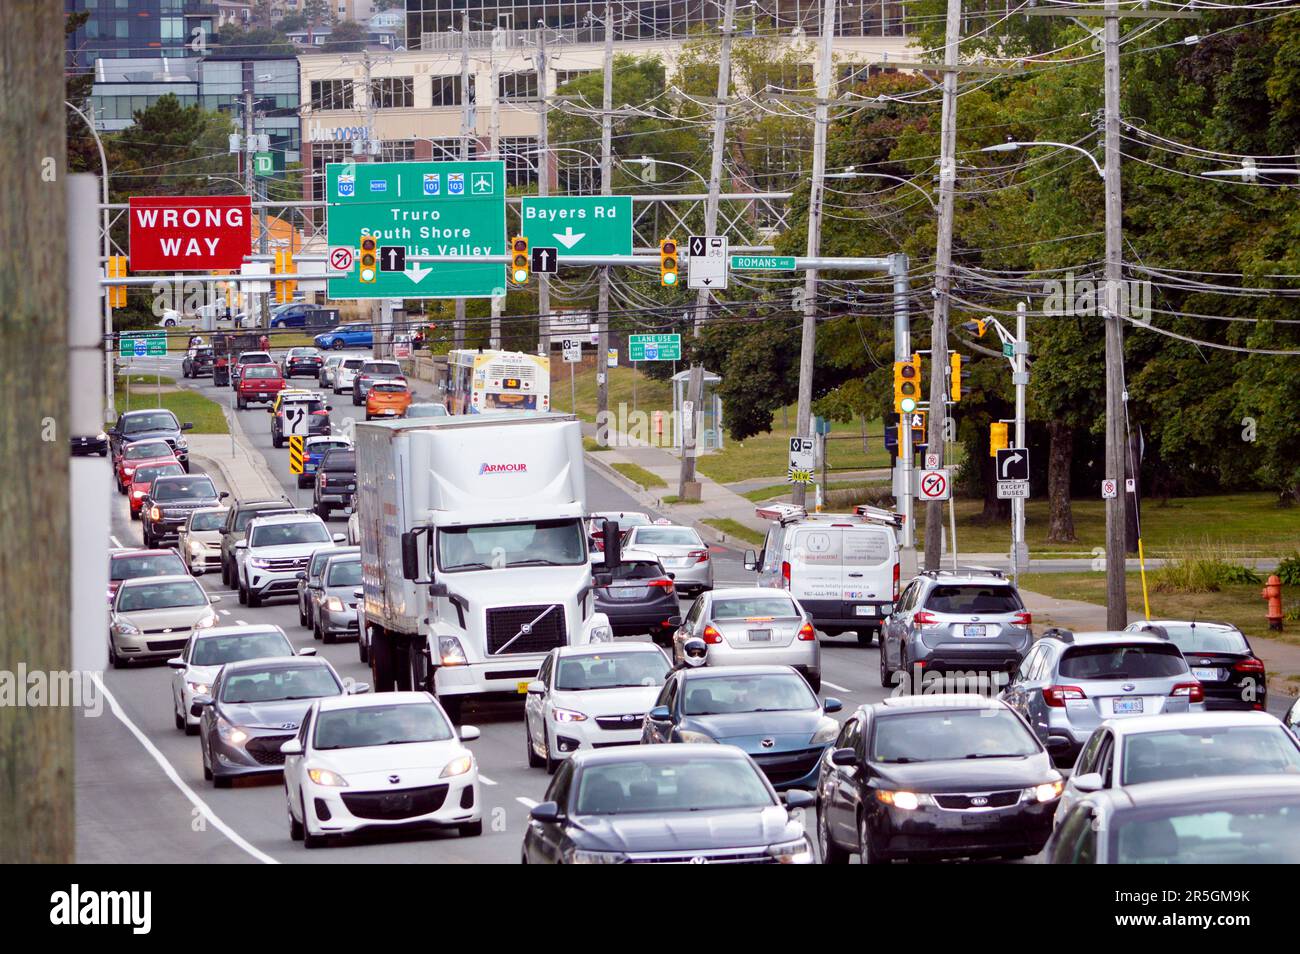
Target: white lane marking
<point>827,682</point>
<point>242,622</point>
<point>528,803</point>
<point>485,780</point>
<point>116,541</point>
<point>224,612</point>
<point>172,774</point>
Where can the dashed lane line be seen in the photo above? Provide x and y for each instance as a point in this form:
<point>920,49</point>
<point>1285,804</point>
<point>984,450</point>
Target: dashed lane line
<point>827,682</point>
<point>528,803</point>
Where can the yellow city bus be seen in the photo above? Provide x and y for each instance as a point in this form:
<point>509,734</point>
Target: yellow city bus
<point>483,381</point>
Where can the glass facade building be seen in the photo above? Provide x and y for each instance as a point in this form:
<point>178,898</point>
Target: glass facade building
<point>125,29</point>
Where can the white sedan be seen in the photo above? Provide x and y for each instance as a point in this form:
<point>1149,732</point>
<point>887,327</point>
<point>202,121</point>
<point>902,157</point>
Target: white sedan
<point>210,649</point>
<point>386,760</point>
<point>589,696</point>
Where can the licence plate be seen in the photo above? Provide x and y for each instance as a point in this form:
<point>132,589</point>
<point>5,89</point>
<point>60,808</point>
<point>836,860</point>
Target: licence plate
<point>980,630</point>
<point>522,687</point>
<point>760,635</point>
<point>1126,706</point>
<point>1208,675</point>
<point>864,610</point>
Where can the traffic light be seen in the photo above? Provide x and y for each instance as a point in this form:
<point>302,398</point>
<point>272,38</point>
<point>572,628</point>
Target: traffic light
<point>955,375</point>
<point>998,438</point>
<point>284,266</point>
<point>907,384</point>
<point>116,269</point>
<point>520,263</point>
<point>668,262</point>
<point>368,270</point>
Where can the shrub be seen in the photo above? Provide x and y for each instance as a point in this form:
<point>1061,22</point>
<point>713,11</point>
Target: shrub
<point>1288,570</point>
<point>1204,571</point>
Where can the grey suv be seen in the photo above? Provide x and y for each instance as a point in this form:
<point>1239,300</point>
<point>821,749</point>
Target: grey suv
<point>239,515</point>
<point>973,621</point>
<point>1072,682</point>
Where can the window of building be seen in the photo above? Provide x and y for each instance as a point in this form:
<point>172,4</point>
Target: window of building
<point>446,91</point>
<point>331,94</point>
<point>515,86</point>
<point>448,149</point>
<point>577,174</point>
<point>520,155</point>
<point>568,76</point>
<point>397,150</point>
<point>393,92</point>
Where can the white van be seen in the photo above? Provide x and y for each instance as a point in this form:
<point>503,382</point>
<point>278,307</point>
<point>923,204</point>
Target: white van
<point>842,568</point>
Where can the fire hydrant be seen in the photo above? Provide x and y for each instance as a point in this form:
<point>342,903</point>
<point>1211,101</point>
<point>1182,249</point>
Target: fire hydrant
<point>1272,592</point>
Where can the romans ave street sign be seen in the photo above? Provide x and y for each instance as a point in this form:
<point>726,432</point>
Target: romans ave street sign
<point>763,263</point>
<point>180,233</point>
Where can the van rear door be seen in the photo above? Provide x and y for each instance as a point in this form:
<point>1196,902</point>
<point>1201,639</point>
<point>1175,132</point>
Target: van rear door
<point>816,557</point>
<point>870,555</point>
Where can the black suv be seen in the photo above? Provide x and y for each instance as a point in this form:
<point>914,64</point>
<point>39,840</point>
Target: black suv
<point>170,500</point>
<point>156,423</point>
<point>239,515</point>
<point>197,361</point>
<point>336,481</point>
<point>317,411</point>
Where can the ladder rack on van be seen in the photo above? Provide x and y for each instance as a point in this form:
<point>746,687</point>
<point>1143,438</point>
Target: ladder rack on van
<point>786,514</point>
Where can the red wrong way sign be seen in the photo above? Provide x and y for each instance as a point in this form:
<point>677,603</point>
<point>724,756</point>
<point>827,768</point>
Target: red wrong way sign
<point>190,232</point>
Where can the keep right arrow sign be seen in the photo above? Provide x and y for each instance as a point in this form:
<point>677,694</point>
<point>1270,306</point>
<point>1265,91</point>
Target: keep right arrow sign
<point>1013,463</point>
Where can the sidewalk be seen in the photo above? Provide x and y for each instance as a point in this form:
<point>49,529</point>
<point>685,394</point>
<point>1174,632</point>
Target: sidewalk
<point>241,466</point>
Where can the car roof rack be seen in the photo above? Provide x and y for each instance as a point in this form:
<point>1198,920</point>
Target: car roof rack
<point>1056,632</point>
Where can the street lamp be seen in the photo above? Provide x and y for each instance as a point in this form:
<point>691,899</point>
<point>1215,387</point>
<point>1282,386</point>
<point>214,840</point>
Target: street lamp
<point>1011,146</point>
<point>851,173</point>
<point>239,185</point>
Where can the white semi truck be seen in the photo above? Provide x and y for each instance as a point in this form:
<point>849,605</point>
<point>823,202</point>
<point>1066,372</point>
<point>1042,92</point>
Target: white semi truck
<point>473,551</point>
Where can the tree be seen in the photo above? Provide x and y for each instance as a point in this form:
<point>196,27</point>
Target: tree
<point>347,36</point>
<point>259,41</point>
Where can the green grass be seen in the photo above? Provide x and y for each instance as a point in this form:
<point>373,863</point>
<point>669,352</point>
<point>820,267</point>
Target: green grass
<point>737,530</point>
<point>1235,526</point>
<point>764,494</point>
<point>142,381</point>
<point>590,446</point>
<point>640,475</point>
<point>651,395</point>
<point>188,406</point>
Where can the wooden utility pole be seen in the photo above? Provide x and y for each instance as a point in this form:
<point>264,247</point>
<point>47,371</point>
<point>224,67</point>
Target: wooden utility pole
<point>543,189</point>
<point>606,188</point>
<point>467,124</point>
<point>36,741</point>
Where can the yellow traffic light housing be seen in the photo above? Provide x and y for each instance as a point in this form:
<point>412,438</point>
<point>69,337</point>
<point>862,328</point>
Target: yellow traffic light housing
<point>907,385</point>
<point>998,438</point>
<point>668,262</point>
<point>368,261</point>
<point>116,268</point>
<point>520,263</point>
<point>954,374</point>
<point>284,266</point>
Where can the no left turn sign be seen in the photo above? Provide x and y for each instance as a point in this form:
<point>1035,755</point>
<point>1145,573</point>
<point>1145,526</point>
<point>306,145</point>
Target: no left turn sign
<point>340,259</point>
<point>935,485</point>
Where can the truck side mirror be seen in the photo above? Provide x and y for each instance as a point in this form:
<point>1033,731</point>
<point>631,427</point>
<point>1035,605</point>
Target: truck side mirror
<point>410,556</point>
<point>613,541</point>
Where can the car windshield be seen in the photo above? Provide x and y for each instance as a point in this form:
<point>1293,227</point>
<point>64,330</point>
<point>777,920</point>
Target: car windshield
<point>381,725</point>
<point>191,488</point>
<point>155,421</point>
<point>318,560</point>
<point>965,598</point>
<point>154,564</point>
<point>208,521</point>
<point>289,534</point>
<point>322,446</point>
<point>277,685</point>
<point>219,650</point>
<point>154,596</point>
<point>352,363</point>
<point>637,570</point>
<point>245,517</point>
<point>531,543</point>
<point>1122,662</point>
<point>611,671</point>
<point>1206,639</point>
<point>1234,831</point>
<point>426,410</point>
<point>347,573</point>
<point>389,388</point>
<point>340,460</point>
<point>384,368</point>
<point>663,785</point>
<point>147,449</point>
<point>946,734</point>
<point>254,357</point>
<point>666,536</point>
<point>257,372</point>
<point>146,475</point>
<point>1212,750</point>
<point>761,692</point>
<point>304,352</point>
<point>749,607</point>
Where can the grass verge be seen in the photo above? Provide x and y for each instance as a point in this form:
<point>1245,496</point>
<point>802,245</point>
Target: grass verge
<point>737,530</point>
<point>639,475</point>
<point>188,406</point>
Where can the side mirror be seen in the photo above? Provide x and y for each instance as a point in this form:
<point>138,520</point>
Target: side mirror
<point>536,688</point>
<point>410,556</point>
<point>292,747</point>
<point>846,757</point>
<point>359,592</point>
<point>660,714</point>
<point>468,733</point>
<point>223,495</point>
<point>674,621</point>
<point>300,575</point>
<point>187,426</point>
<point>359,688</point>
<point>307,651</point>
<point>751,560</point>
<point>329,407</point>
<point>176,662</point>
<point>198,704</point>
<point>831,704</point>
<point>340,538</point>
<point>795,798</point>
<point>545,812</point>
<point>241,545</point>
<point>1089,782</point>
<point>613,541</point>
<point>270,410</point>
<point>214,598</point>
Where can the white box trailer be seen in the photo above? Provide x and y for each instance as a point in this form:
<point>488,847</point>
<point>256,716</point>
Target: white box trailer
<point>473,550</point>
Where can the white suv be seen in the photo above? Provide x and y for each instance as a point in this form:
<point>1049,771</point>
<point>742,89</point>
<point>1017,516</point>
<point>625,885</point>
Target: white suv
<point>274,551</point>
<point>345,372</point>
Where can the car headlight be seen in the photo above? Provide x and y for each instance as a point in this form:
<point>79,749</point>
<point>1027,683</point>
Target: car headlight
<point>137,494</point>
<point>258,562</point>
<point>1045,792</point>
<point>579,857</point>
<point>334,604</point>
<point>231,733</point>
<point>125,628</point>
<point>603,633</point>
<point>128,471</point>
<point>155,513</point>
<point>826,733</point>
<point>568,715</point>
<point>450,651</point>
<point>327,778</point>
<point>198,688</point>
<point>210,619</point>
<point>181,443</point>
<point>907,801</point>
<point>458,766</point>
<point>195,547</point>
<point>792,852</point>
<point>686,735</point>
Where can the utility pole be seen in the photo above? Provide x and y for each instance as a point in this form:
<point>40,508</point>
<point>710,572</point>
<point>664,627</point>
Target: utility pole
<point>1020,378</point>
<point>688,488</point>
<point>543,189</point>
<point>37,821</point>
<point>942,279</point>
<point>466,129</point>
<point>495,82</point>
<point>606,188</point>
<point>808,340</point>
<point>250,150</point>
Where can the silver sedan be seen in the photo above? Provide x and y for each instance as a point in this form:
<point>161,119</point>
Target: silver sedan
<point>681,552</point>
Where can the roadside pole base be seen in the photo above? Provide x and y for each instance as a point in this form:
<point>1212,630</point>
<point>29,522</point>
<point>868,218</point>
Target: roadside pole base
<point>691,492</point>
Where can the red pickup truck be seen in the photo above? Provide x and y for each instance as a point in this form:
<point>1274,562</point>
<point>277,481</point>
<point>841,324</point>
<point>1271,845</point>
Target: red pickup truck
<point>258,382</point>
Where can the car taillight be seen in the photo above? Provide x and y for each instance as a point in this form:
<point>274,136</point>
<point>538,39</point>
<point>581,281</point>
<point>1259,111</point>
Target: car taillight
<point>1249,665</point>
<point>1057,695</point>
<point>924,619</point>
<point>664,584</point>
<point>711,635</point>
<point>807,633</point>
<point>895,582</point>
<point>320,413</point>
<point>700,556</point>
<point>1023,619</point>
<point>1191,690</point>
<point>785,574</point>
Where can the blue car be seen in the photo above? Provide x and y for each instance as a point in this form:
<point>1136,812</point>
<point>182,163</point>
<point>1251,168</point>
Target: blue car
<point>769,712</point>
<point>356,334</point>
<point>292,315</point>
<point>313,450</point>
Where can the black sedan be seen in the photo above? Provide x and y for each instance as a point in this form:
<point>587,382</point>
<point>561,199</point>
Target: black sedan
<point>640,598</point>
<point>134,426</point>
<point>197,361</point>
<point>769,712</point>
<point>680,804</point>
<point>169,503</point>
<point>935,776</point>
<point>306,361</point>
<point>1221,659</point>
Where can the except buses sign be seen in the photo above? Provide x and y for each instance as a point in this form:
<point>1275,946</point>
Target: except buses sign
<point>176,233</point>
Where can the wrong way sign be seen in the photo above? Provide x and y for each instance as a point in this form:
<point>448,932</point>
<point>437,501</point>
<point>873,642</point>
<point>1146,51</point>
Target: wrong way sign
<point>935,485</point>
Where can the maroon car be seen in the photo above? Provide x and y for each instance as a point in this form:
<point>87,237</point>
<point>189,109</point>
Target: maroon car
<point>130,563</point>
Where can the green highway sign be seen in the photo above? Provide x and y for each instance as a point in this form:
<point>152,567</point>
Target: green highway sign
<point>578,224</point>
<point>429,208</point>
<point>654,347</point>
<point>140,344</point>
<point>763,263</point>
